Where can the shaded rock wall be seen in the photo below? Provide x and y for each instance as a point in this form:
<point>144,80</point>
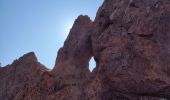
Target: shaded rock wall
<point>131,46</point>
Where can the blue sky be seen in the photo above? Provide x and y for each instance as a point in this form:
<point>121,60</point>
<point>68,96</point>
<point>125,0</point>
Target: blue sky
<point>40,26</point>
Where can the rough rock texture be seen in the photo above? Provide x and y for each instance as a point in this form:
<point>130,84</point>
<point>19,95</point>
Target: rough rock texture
<point>21,80</point>
<point>130,42</point>
<point>74,57</point>
<point>27,79</point>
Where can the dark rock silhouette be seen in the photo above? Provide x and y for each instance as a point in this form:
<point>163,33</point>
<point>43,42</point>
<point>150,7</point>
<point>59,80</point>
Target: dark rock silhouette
<point>130,42</point>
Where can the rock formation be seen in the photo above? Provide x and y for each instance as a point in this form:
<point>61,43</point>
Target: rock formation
<point>130,42</point>
<point>74,57</point>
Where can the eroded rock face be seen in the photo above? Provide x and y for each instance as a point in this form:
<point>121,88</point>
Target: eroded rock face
<point>21,79</point>
<point>130,41</point>
<point>131,44</point>
<point>74,56</point>
<point>27,79</point>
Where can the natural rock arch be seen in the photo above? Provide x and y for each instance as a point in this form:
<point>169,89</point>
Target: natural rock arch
<point>92,64</point>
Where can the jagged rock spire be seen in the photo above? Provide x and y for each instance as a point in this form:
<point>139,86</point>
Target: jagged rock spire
<point>74,56</point>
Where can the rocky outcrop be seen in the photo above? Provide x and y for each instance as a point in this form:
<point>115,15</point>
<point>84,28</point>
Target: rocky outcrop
<point>74,56</point>
<point>130,42</point>
<point>131,46</point>
<point>21,79</point>
<point>27,79</point>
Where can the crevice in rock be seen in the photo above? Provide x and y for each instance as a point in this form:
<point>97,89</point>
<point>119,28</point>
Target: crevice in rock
<point>145,35</point>
<point>133,5</point>
<point>148,36</point>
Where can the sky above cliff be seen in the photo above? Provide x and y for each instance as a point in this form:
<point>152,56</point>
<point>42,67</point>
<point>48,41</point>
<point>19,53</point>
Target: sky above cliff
<point>40,26</point>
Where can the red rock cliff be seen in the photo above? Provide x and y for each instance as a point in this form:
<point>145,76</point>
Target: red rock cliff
<point>130,41</point>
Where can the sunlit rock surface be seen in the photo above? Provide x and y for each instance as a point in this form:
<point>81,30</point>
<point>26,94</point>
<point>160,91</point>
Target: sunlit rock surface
<point>130,42</point>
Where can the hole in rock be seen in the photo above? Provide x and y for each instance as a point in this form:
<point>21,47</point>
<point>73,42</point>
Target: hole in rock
<point>92,64</point>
